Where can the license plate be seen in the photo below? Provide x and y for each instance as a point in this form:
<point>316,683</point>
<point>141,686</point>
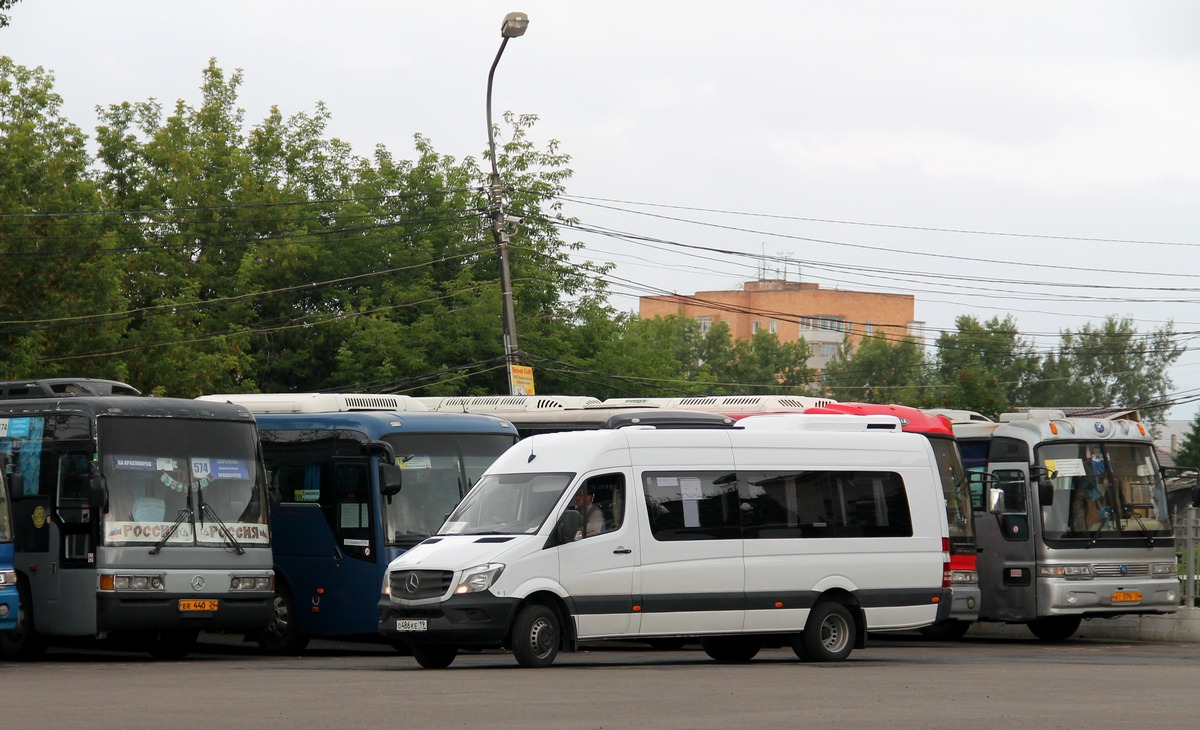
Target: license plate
<point>413,625</point>
<point>1126,596</point>
<point>208,604</point>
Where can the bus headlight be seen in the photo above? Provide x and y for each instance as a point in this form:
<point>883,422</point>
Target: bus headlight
<point>251,583</point>
<point>1070,572</point>
<point>963,577</point>
<point>8,577</point>
<point>1163,570</point>
<point>479,578</point>
<point>131,582</point>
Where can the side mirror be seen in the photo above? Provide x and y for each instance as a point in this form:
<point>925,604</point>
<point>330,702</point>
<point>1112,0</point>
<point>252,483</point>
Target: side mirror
<point>16,486</point>
<point>568,527</point>
<point>390,479</point>
<point>1045,491</point>
<point>274,494</point>
<point>97,495</point>
<point>995,501</point>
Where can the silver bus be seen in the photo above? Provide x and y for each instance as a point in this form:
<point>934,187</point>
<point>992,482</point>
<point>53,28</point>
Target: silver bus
<point>1076,525</point>
<point>141,520</point>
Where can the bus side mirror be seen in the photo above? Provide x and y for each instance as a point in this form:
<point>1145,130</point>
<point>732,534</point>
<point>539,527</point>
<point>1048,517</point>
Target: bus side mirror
<point>1045,488</point>
<point>390,479</point>
<point>1045,491</point>
<point>995,501</point>
<point>16,486</point>
<point>97,495</point>
<point>274,494</point>
<point>568,527</point>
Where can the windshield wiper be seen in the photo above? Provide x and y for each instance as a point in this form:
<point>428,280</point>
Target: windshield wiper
<point>1106,514</point>
<point>204,507</point>
<point>1131,512</point>
<point>183,515</point>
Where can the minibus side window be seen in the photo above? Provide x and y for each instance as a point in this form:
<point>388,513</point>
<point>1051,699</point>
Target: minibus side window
<point>601,502</point>
<point>693,505</point>
<point>804,504</point>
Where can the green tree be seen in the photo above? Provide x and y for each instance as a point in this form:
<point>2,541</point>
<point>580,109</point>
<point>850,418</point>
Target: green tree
<point>986,367</point>
<point>1111,364</point>
<point>60,286</point>
<point>877,371</point>
<point>6,5</point>
<point>1189,450</point>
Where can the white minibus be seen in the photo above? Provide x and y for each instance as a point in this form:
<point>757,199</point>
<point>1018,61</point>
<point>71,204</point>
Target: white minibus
<point>809,537</point>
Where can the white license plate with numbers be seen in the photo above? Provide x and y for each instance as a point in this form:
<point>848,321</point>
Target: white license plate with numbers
<point>411,625</point>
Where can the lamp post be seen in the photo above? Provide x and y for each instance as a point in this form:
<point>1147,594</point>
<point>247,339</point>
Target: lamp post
<point>514,26</point>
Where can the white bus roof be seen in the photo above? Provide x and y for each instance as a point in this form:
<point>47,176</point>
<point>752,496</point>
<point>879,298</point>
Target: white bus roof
<point>728,403</point>
<point>506,403</point>
<point>318,402</point>
<point>823,422</point>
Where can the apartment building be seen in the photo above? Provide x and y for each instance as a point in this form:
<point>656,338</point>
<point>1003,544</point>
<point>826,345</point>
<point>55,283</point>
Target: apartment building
<point>823,317</point>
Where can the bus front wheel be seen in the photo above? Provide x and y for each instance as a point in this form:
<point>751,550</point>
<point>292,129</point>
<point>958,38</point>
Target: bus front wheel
<point>434,656</point>
<point>1055,628</point>
<point>172,645</point>
<point>282,635</point>
<point>22,644</point>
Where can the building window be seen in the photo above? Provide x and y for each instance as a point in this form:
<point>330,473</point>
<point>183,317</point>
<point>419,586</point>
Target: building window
<point>754,327</point>
<point>774,327</point>
<point>828,349</point>
<point>868,329</point>
<point>705,324</point>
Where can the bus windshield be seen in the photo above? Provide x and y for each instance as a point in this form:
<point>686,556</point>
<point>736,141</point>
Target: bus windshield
<point>955,490</point>
<point>507,504</point>
<point>438,469</point>
<point>181,482</point>
<point>1104,490</point>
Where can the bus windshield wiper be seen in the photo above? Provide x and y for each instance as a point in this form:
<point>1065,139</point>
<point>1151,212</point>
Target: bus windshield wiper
<point>1106,514</point>
<point>183,515</point>
<point>204,507</point>
<point>1131,512</point>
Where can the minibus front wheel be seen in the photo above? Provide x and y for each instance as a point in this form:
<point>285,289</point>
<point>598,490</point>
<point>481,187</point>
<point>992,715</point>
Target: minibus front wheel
<point>536,635</point>
<point>828,634</point>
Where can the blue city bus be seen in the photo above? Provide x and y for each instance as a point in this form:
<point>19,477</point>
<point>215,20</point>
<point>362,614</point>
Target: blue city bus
<point>9,604</point>
<point>361,478</point>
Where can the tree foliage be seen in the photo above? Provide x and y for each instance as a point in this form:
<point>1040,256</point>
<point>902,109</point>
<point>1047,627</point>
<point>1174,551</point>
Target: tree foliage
<point>198,252</point>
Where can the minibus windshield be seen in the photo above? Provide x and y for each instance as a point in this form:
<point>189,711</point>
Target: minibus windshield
<point>507,504</point>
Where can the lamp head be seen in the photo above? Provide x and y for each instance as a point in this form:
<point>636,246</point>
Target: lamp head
<point>514,25</point>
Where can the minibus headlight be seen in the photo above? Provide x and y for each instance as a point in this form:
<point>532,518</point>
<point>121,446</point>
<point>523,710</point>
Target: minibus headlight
<point>1070,572</point>
<point>479,578</point>
<point>251,583</point>
<point>963,577</point>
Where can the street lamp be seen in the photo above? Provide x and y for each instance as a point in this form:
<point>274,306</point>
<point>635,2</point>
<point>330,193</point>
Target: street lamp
<point>514,26</point>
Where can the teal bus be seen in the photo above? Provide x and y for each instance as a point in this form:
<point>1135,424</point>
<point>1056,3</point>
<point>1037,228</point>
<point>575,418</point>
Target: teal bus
<point>8,576</point>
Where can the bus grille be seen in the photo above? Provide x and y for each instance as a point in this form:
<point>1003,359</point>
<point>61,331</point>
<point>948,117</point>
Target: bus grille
<point>1114,570</point>
<point>414,585</point>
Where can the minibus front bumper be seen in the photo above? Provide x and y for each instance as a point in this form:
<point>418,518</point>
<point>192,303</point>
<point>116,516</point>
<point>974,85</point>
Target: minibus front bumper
<point>471,619</point>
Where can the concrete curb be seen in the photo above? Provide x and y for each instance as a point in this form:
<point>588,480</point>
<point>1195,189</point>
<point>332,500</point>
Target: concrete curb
<point>1180,627</point>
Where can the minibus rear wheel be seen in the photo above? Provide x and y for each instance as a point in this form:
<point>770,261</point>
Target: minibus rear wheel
<point>536,635</point>
<point>828,634</point>
<point>731,649</point>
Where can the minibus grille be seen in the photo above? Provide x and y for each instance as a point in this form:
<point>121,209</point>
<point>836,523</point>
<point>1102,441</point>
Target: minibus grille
<point>1116,570</point>
<point>413,585</point>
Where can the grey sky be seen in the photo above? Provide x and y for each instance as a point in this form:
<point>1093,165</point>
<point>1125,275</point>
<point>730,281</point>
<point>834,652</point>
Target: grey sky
<point>1073,119</point>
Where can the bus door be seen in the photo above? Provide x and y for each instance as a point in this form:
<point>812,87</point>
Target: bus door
<point>324,544</point>
<point>1007,556</point>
